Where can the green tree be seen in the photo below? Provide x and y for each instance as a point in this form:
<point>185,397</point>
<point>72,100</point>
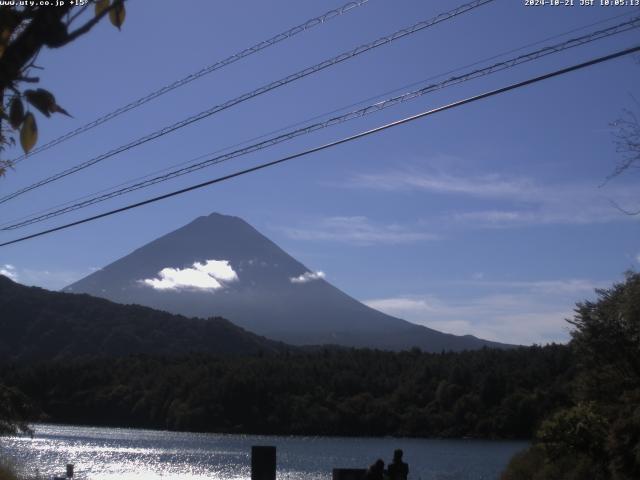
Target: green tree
<point>599,436</point>
<point>606,340</point>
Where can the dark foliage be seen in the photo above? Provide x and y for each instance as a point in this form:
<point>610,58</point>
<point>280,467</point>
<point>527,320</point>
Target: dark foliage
<point>598,435</point>
<point>37,324</point>
<point>15,410</point>
<point>25,29</point>
<point>485,393</point>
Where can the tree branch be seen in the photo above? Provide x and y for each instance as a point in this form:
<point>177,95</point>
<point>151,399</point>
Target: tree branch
<point>91,23</point>
<point>43,29</point>
<point>46,28</point>
<point>29,79</point>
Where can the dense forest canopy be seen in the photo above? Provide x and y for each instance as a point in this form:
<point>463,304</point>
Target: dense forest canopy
<point>486,393</point>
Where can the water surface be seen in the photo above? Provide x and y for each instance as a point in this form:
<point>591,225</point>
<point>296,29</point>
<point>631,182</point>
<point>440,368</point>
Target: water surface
<point>117,453</point>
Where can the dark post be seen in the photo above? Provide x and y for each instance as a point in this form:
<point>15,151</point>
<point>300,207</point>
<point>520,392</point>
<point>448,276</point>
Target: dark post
<point>69,470</point>
<point>348,473</point>
<point>263,463</point>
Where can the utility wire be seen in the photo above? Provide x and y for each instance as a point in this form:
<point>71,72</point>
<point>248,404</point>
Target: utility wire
<point>259,91</point>
<point>315,117</point>
<point>322,115</point>
<point>319,116</point>
<point>308,25</point>
<point>372,108</point>
<point>335,143</point>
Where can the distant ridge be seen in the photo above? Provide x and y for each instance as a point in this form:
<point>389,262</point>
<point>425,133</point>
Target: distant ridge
<point>37,324</point>
<point>270,293</point>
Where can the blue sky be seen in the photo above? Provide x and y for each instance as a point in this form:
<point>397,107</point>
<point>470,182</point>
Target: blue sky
<point>488,219</point>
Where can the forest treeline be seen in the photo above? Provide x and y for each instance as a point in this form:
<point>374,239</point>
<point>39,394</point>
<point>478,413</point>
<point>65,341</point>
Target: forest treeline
<point>486,393</point>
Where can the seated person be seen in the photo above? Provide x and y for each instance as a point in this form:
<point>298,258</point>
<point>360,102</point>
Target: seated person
<point>375,471</point>
<point>398,470</point>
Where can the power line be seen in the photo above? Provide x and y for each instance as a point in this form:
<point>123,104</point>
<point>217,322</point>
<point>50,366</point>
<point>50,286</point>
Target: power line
<point>366,133</point>
<point>319,116</point>
<point>597,35</point>
<point>308,25</point>
<point>372,108</point>
<point>259,91</point>
<point>322,115</point>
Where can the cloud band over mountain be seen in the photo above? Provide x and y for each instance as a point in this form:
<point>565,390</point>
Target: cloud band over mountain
<point>211,275</point>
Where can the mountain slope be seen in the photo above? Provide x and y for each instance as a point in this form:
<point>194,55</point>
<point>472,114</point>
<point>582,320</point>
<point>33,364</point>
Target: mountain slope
<point>258,286</point>
<point>37,324</point>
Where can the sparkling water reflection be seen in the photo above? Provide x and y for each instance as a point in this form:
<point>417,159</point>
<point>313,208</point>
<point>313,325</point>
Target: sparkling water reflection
<point>109,453</point>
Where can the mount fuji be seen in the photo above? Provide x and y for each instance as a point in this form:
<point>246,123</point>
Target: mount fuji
<point>219,265</point>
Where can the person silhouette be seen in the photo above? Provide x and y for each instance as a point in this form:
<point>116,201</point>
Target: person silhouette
<point>397,469</point>
<point>375,471</point>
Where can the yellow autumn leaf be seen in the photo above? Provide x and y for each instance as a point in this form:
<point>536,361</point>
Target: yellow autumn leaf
<point>101,6</point>
<point>28,132</point>
<point>117,15</point>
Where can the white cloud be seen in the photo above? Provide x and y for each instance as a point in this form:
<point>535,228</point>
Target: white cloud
<point>587,211</point>
<point>568,286</point>
<point>358,230</point>
<point>491,185</point>
<point>403,305</point>
<point>307,277</point>
<point>9,271</point>
<point>49,279</point>
<point>492,217</point>
<point>523,201</point>
<point>522,312</point>
<point>211,275</point>
<point>514,319</point>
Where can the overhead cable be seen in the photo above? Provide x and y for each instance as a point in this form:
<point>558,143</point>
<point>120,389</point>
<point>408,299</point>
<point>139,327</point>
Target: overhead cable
<point>308,25</point>
<point>335,143</point>
<point>360,112</point>
<point>417,27</point>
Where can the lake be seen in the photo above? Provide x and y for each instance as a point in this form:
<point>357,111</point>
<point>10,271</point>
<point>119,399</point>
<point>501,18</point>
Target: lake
<point>117,453</point>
